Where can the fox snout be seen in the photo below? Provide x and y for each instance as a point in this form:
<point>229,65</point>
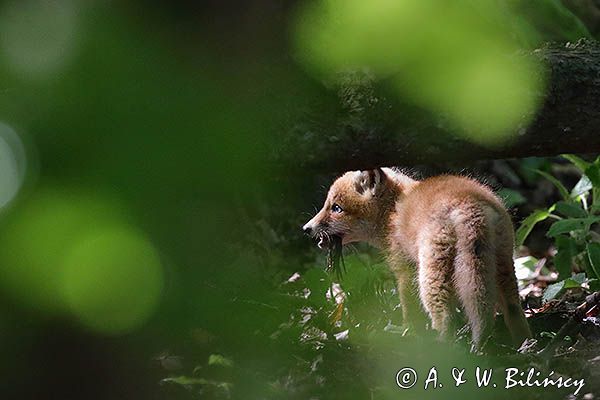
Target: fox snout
<point>313,227</point>
<point>318,229</point>
<point>307,228</point>
<point>316,224</point>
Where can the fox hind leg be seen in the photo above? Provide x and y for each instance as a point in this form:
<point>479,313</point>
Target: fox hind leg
<point>475,271</point>
<point>436,290</point>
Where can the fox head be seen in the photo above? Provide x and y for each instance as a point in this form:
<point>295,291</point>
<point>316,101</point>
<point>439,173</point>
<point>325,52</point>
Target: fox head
<point>356,207</point>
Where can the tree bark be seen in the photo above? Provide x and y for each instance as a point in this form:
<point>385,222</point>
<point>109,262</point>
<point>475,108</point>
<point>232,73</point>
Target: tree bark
<point>368,128</point>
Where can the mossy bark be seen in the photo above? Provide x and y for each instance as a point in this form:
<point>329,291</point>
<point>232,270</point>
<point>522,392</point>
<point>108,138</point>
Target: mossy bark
<point>364,125</point>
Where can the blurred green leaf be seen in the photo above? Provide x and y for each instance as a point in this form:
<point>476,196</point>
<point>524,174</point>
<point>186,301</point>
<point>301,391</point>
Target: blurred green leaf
<point>446,57</point>
<point>362,279</point>
<point>561,188</point>
<point>318,282</point>
<point>566,250</point>
<point>593,173</point>
<point>593,252</point>
<point>188,380</point>
<point>528,224</point>
<point>217,359</point>
<point>578,278</point>
<point>511,197</point>
<point>579,162</point>
<point>528,166</point>
<point>552,291</point>
<point>191,381</point>
<point>551,18</point>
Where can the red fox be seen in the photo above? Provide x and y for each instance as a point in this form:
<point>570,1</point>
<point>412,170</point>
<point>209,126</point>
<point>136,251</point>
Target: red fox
<point>447,238</point>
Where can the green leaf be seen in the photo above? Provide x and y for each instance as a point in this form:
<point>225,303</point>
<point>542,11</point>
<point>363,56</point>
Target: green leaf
<point>579,278</point>
<point>317,281</point>
<point>575,281</point>
<point>527,167</point>
<point>546,334</point>
<point>190,381</point>
<point>593,173</point>
<point>579,162</point>
<point>566,226</point>
<point>217,359</point>
<point>570,209</point>
<point>528,224</point>
<point>511,197</point>
<point>561,188</point>
<point>570,283</point>
<point>552,291</point>
<point>571,224</point>
<point>566,249</point>
<point>595,209</point>
<point>593,252</point>
<point>187,380</point>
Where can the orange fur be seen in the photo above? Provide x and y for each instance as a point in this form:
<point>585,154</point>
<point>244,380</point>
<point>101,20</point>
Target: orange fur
<point>449,238</point>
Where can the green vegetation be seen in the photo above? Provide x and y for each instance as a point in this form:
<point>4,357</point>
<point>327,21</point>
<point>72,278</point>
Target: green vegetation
<point>577,244</point>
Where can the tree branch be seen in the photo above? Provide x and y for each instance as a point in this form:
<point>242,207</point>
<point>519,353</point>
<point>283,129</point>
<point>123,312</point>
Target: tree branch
<point>368,128</point>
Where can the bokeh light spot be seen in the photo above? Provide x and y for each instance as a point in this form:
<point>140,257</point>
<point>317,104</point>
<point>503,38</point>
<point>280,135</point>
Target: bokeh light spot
<point>38,37</point>
<point>453,59</point>
<point>112,280</point>
<point>35,239</point>
<point>12,164</point>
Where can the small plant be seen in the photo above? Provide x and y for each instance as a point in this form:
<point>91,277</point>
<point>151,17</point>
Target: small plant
<point>577,244</point>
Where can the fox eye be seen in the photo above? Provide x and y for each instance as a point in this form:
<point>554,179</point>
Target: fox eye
<point>336,208</point>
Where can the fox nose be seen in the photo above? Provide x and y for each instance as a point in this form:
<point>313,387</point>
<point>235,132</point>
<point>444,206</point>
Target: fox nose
<point>307,229</point>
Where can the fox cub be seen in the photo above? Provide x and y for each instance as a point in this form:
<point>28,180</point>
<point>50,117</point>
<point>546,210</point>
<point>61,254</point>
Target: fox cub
<point>447,238</point>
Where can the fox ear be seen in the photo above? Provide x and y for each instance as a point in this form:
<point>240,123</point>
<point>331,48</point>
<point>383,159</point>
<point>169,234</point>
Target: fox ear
<point>369,181</point>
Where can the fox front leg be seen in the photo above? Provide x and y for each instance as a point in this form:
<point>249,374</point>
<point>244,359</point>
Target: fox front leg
<point>413,316</point>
